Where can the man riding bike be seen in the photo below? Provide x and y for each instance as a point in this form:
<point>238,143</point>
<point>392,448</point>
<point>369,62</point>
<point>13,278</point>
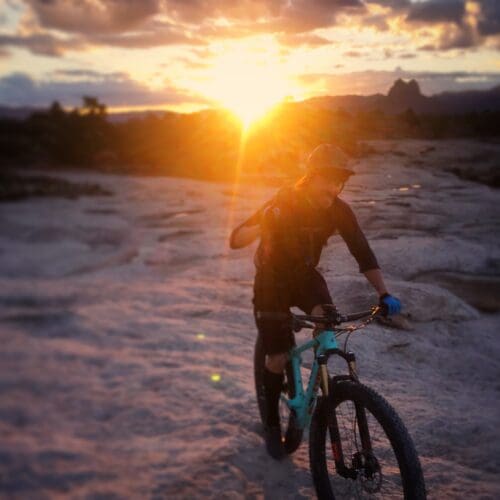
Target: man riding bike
<point>294,226</point>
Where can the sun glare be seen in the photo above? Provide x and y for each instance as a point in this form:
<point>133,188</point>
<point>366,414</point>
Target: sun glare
<point>247,85</point>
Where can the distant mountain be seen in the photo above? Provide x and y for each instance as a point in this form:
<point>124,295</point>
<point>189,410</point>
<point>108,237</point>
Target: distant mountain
<point>124,116</point>
<point>403,95</point>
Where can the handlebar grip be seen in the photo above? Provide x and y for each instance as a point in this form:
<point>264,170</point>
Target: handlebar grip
<point>384,309</point>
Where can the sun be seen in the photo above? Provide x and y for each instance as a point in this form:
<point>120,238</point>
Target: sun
<point>246,84</point>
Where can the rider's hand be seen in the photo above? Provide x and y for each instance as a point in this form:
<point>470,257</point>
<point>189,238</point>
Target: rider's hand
<point>390,303</point>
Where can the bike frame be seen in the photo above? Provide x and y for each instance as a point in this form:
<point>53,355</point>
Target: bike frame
<point>325,344</point>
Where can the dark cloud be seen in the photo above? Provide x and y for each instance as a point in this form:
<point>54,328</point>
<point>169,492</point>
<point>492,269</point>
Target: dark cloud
<point>47,44</point>
<point>305,15</point>
<point>88,73</point>
<point>105,17</point>
<point>462,37</point>
<point>93,16</point>
<point>151,23</point>
<point>378,21</point>
<point>19,89</point>
<point>489,18</point>
<point>146,39</point>
<point>268,15</point>
<point>41,44</point>
<point>455,37</point>
<point>392,4</point>
<point>437,11</point>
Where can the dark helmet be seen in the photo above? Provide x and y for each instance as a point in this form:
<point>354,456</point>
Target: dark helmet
<point>330,161</point>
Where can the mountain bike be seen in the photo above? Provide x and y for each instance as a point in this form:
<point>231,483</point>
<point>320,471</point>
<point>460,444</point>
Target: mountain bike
<point>358,445</point>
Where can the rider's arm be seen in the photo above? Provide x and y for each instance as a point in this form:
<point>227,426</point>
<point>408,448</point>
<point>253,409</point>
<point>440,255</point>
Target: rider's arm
<point>243,235</point>
<point>374,276</point>
<point>356,241</point>
<point>358,245</point>
<point>249,230</point>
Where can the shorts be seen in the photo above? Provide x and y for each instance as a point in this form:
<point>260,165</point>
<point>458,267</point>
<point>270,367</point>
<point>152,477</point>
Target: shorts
<point>274,295</point>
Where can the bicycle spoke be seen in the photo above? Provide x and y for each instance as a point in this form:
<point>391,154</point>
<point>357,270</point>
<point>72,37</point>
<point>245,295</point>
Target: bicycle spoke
<point>385,481</point>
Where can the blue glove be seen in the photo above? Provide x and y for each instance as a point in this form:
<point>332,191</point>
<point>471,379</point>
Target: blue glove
<point>392,304</point>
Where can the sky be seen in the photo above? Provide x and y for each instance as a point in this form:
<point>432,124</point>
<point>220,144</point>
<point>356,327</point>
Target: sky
<point>187,55</point>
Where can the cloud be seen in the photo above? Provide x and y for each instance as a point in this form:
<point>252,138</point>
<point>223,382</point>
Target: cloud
<point>41,44</point>
<point>392,4</point>
<point>50,45</point>
<point>89,74</point>
<point>354,53</point>
<point>93,16</point>
<point>146,39</point>
<point>99,17</point>
<point>437,11</point>
<point>457,37</point>
<point>394,54</point>
<point>57,26</point>
<point>114,89</point>
<point>270,16</point>
<point>489,17</point>
<point>299,40</point>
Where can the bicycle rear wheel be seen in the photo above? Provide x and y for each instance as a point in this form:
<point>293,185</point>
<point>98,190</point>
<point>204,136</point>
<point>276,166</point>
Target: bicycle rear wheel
<point>391,469</point>
<point>292,435</point>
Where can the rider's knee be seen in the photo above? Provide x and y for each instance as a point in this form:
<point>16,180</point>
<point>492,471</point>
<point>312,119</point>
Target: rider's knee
<point>317,310</point>
<point>276,362</point>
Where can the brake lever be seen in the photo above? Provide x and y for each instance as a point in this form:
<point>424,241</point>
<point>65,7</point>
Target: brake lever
<point>382,309</point>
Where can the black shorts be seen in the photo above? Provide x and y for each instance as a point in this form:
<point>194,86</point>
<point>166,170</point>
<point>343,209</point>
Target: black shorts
<point>273,295</point>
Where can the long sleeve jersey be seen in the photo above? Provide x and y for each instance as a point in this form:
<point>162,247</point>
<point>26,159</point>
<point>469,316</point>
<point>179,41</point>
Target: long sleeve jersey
<point>298,231</point>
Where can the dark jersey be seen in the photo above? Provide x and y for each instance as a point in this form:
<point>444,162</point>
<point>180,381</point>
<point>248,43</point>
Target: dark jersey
<point>293,239</point>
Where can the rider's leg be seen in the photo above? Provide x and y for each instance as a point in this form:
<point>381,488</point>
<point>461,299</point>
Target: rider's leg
<point>273,382</point>
<point>276,362</point>
<point>277,339</point>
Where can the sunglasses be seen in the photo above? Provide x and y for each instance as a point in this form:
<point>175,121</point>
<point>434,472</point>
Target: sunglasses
<point>332,176</point>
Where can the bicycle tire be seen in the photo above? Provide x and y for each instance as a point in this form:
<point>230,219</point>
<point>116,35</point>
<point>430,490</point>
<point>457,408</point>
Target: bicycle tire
<point>410,470</point>
<point>291,433</point>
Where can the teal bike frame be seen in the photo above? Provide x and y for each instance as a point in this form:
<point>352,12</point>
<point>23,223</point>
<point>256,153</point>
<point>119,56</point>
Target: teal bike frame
<point>303,402</point>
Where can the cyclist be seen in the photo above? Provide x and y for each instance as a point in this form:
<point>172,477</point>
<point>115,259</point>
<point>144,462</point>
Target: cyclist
<point>293,226</point>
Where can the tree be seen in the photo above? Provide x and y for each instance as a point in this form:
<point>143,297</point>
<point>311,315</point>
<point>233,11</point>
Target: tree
<point>92,106</point>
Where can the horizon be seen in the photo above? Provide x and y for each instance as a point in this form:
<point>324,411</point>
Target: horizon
<point>180,57</point>
<point>219,107</point>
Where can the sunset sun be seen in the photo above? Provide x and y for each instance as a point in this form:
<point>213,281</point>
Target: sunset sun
<point>247,85</point>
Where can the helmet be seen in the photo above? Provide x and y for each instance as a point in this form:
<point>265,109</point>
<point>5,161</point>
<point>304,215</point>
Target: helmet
<point>330,160</point>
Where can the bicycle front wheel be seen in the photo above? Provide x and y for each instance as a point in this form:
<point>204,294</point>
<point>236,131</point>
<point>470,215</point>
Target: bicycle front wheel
<point>371,454</point>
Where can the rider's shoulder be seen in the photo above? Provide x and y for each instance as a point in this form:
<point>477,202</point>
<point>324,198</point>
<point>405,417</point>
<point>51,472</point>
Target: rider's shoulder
<point>341,208</point>
<point>340,204</point>
<point>286,195</point>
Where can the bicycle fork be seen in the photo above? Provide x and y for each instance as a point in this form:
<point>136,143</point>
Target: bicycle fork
<point>333,428</point>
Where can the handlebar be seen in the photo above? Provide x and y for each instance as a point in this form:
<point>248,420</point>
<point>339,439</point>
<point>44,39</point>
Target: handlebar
<point>331,318</point>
